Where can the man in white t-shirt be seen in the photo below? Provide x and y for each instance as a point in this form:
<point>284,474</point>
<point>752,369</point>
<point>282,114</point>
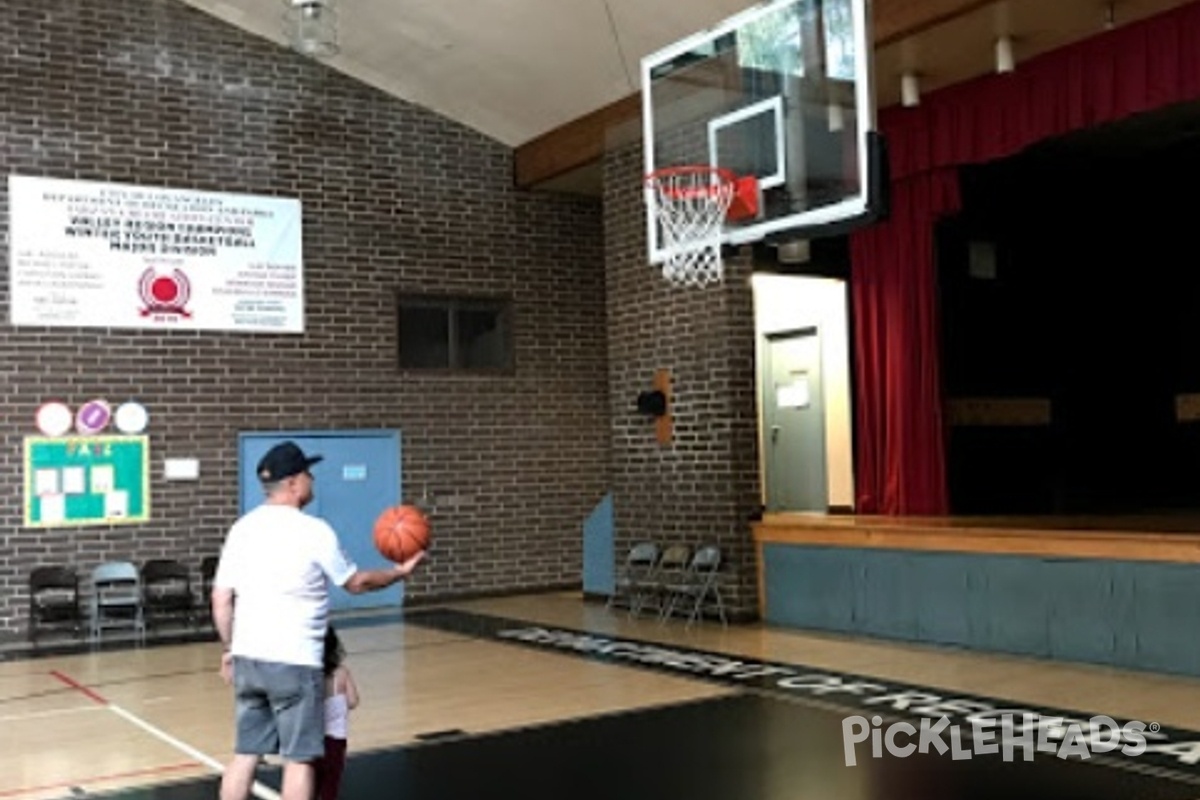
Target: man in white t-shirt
<point>270,605</point>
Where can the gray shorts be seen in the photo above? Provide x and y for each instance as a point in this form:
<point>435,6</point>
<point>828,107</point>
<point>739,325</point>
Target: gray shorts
<point>280,709</point>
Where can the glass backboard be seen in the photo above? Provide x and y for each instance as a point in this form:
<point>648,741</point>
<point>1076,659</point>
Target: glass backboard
<point>782,91</point>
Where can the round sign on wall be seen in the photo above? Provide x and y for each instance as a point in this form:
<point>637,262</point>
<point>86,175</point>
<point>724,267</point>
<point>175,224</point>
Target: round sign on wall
<point>131,417</point>
<point>54,419</point>
<point>93,416</point>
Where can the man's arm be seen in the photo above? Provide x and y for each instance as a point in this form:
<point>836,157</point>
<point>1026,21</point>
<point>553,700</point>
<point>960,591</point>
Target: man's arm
<point>372,580</point>
<point>222,611</point>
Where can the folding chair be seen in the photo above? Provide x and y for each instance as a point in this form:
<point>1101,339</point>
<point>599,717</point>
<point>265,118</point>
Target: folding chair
<point>699,588</point>
<point>54,601</point>
<point>635,579</point>
<point>116,600</point>
<point>208,572</point>
<point>672,566</point>
<point>167,592</point>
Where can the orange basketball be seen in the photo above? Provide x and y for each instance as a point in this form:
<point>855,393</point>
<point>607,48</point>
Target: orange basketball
<point>401,532</point>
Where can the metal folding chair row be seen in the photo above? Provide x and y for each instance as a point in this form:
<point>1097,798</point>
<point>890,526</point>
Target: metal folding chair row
<point>122,596</point>
<point>666,579</point>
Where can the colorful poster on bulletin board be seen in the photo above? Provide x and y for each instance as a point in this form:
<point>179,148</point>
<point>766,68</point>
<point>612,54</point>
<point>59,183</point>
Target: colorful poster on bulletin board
<point>86,480</point>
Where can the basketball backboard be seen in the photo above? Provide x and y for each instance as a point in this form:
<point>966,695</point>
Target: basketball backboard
<point>782,91</point>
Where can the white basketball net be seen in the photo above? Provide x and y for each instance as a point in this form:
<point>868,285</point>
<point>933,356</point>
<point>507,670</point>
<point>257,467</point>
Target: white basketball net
<point>691,203</point>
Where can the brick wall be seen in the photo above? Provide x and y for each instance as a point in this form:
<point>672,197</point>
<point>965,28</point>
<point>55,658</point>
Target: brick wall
<point>395,198</point>
<point>703,485</point>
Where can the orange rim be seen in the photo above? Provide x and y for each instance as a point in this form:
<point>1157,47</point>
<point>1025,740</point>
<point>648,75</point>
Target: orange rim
<point>719,179</point>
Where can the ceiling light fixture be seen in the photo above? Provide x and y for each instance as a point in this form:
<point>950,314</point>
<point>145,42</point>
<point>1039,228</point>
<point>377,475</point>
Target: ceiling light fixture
<point>910,90</point>
<point>311,27</point>
<point>1005,60</point>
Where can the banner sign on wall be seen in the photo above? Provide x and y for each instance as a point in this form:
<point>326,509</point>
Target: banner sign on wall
<point>121,256</point>
<point>86,480</point>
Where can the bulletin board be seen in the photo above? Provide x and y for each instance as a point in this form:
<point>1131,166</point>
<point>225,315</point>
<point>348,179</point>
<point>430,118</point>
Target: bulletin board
<point>86,480</point>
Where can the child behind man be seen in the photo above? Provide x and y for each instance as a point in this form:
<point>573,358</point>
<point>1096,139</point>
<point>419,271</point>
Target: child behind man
<point>341,695</point>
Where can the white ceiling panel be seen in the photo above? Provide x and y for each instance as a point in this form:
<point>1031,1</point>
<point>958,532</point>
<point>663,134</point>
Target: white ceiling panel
<point>516,69</point>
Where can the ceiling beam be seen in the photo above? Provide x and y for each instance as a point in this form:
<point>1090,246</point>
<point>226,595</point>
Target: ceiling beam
<point>898,19</point>
<point>573,145</point>
<point>583,140</point>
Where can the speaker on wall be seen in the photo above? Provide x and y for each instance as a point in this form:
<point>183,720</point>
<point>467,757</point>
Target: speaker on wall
<point>653,403</point>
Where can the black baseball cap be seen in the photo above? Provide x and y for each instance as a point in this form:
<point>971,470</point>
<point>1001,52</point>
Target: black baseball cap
<point>283,461</point>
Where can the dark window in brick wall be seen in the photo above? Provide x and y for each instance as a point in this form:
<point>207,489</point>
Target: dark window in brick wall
<point>460,333</point>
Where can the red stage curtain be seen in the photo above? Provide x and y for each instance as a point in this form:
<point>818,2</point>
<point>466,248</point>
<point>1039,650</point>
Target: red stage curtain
<point>901,457</point>
<point>900,463</point>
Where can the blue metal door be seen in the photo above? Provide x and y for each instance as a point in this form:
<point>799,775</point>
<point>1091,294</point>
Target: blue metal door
<point>359,478</point>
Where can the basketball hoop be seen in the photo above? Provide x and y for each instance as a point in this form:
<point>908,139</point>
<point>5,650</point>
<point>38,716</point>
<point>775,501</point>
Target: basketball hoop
<point>691,203</point>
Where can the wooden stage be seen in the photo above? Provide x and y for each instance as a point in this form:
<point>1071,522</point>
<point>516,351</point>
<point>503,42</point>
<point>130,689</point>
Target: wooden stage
<point>1118,591</point>
<point>1173,538</point>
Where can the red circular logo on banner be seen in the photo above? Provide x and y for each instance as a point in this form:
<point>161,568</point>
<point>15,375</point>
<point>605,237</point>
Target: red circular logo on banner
<point>164,290</point>
<point>164,295</point>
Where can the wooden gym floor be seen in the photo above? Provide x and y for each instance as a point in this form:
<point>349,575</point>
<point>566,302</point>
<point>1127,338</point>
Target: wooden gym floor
<point>548,696</point>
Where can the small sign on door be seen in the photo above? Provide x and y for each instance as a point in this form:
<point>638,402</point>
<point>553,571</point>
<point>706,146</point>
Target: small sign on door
<point>354,472</point>
<point>794,394</point>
